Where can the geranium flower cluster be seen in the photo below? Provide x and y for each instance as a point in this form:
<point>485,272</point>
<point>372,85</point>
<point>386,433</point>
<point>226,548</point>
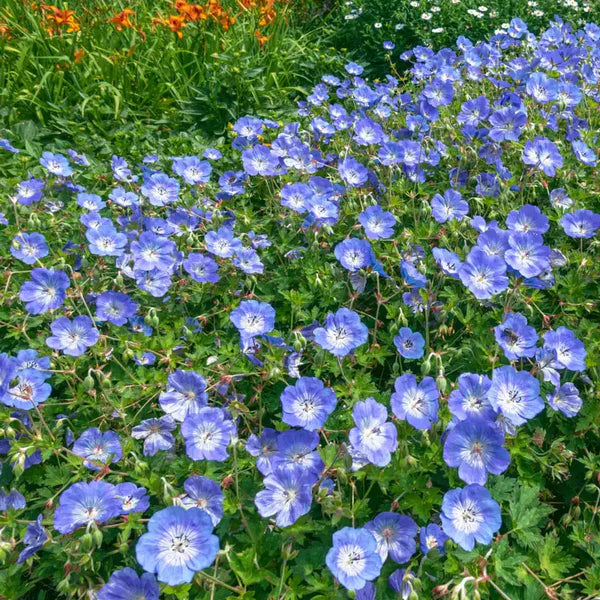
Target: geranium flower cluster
<point>252,334</point>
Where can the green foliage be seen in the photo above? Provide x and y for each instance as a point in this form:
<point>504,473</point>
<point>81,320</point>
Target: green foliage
<point>361,26</point>
<point>102,80</point>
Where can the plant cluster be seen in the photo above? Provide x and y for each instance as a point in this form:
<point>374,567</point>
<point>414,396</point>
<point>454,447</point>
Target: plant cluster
<point>350,355</point>
<point>362,25</point>
<point>96,67</point>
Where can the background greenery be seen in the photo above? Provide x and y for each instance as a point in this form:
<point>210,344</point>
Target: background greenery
<point>143,90</point>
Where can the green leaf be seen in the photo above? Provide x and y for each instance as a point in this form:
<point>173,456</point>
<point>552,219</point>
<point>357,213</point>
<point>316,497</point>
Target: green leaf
<point>527,512</point>
<point>245,566</point>
<point>554,560</point>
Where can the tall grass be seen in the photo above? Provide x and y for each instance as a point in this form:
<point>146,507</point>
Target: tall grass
<point>107,78</point>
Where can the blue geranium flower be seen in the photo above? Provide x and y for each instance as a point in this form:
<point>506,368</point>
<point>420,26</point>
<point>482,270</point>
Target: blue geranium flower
<point>6,145</point>
<point>192,170</point>
<point>83,503</point>
<point>297,447</point>
<point>373,436</point>
<point>470,399</point>
<point>29,247</point>
<point>14,499</point>
<point>260,160</point>
<point>206,494</point>
<point>516,394</point>
<point>95,446</point>
<point>515,337</point>
<point>483,274</point>
<point>448,207</point>
<point>121,170</point>
<point>29,191</point>
<point>160,189</point>
<point>402,582</point>
<point>507,124</point>
<point>115,307</point>
<point>416,404</point>
<point>528,219</point>
<point>565,399</point>
<point>156,434</point>
<point>29,360</point>
<point>78,158</point>
<point>288,494</point>
<point>57,164</point>
<point>367,132</point>
<point>432,537</point>
<point>222,242</point>
<point>580,223</point>
<point>473,111</point>
<point>353,558</point>
<point>475,446</point>
<point>527,253</point>
<point>151,251</point>
<point>354,254</point>
<point>91,202</point>
<point>72,337</point>
<point>570,351</point>
<point>342,333</point>
<point>395,536</point>
<point>200,268</point>
<point>207,434</point>
<point>46,290</point>
<point>470,514</point>
<point>449,262</point>
<point>178,543</point>
<point>410,344</point>
<point>248,261</point>
<point>133,499</point>
<point>35,537</point>
<point>253,318</point>
<point>296,196</point>
<point>29,390</point>
<point>543,154</point>
<point>584,153</point>
<point>412,276</point>
<point>352,172</point>
<point>378,223</point>
<point>124,198</point>
<point>105,240</point>
<point>263,447</point>
<point>307,404</point>
<point>542,88</point>
<point>185,395</point>
<point>125,584</point>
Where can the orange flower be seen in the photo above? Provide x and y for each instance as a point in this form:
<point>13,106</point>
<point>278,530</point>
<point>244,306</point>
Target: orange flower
<point>62,17</point>
<point>4,32</point>
<point>122,20</point>
<point>174,22</point>
<point>78,55</point>
<point>261,38</point>
<point>227,22</point>
<point>191,12</point>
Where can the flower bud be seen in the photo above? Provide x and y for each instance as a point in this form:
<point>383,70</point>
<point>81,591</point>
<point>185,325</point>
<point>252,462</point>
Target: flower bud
<point>97,537</point>
<point>441,382</point>
<point>86,542</point>
<point>426,366</point>
<point>88,382</point>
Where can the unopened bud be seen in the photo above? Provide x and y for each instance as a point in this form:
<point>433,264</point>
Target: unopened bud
<point>97,537</point>
<point>86,542</point>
